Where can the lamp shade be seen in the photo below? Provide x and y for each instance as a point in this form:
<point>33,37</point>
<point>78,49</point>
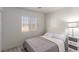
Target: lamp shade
<point>72,19</point>
<point>72,25</point>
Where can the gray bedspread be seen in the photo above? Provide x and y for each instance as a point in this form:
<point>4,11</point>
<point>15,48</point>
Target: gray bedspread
<point>40,44</point>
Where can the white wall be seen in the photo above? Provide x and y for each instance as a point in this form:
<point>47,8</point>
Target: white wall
<point>12,35</point>
<point>54,25</point>
<point>0,31</point>
<point>55,21</point>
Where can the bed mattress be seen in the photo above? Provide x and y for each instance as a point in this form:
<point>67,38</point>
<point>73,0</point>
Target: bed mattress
<point>40,44</point>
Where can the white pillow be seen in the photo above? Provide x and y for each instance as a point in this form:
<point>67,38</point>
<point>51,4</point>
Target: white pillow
<point>49,34</point>
<point>59,36</point>
<point>56,35</point>
<point>62,37</point>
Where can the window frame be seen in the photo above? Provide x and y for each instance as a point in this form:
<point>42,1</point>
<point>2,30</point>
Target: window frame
<point>29,19</point>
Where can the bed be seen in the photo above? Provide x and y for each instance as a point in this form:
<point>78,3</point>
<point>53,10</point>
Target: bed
<point>45,43</point>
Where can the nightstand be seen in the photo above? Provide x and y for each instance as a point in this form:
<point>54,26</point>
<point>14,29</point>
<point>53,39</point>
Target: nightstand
<point>73,44</point>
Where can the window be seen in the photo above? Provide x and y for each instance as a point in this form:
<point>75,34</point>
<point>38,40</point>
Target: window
<point>33,23</point>
<point>29,23</point>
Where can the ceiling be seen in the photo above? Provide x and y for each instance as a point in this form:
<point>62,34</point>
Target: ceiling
<point>44,9</point>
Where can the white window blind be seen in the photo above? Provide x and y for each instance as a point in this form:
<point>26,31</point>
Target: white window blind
<point>29,23</point>
<point>33,24</point>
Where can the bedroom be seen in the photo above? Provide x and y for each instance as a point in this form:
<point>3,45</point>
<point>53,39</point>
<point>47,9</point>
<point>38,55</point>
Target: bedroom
<point>20,26</point>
